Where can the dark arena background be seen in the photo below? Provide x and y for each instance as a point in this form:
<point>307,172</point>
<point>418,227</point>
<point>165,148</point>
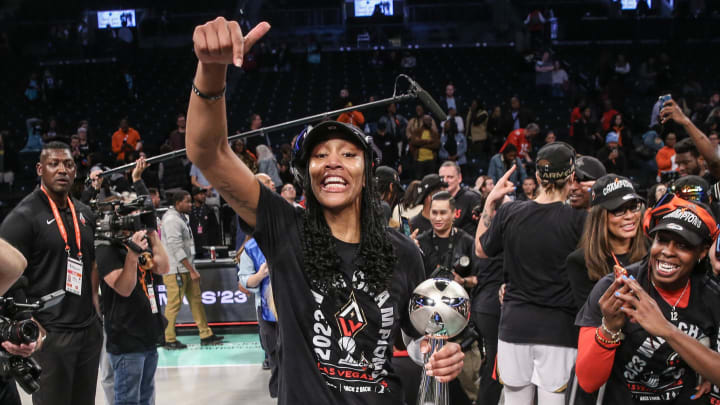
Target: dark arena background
<point>81,72</point>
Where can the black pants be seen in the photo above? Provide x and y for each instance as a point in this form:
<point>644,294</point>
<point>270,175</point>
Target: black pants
<point>424,168</point>
<point>69,362</point>
<point>8,392</point>
<point>268,340</point>
<point>490,389</point>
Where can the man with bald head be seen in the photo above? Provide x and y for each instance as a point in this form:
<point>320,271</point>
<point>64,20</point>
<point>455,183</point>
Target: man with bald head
<point>266,181</point>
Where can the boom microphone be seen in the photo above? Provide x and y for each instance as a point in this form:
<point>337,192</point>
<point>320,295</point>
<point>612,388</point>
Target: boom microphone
<point>427,100</point>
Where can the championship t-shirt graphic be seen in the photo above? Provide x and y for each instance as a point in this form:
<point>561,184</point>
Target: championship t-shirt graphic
<point>654,353</point>
<point>346,356</point>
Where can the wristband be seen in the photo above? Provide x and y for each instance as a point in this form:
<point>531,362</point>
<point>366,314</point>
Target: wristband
<point>616,337</point>
<point>604,343</point>
<point>206,96</point>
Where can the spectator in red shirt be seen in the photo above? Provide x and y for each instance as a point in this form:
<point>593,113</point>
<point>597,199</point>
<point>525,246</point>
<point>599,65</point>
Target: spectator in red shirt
<point>608,115</point>
<point>665,157</point>
<point>521,138</point>
<point>576,114</point>
<point>125,139</point>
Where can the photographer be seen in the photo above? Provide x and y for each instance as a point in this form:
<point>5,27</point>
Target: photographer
<point>12,264</point>
<point>133,322</point>
<point>56,234</point>
<point>444,246</point>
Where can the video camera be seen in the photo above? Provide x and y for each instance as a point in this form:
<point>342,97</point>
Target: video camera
<point>114,218</point>
<point>460,266</point>
<point>16,327</point>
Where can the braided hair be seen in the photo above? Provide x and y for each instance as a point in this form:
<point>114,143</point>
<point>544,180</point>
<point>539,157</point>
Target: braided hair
<point>375,260</point>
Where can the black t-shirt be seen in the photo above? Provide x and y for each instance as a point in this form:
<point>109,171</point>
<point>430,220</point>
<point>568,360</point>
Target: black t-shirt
<point>535,240</point>
<point>205,229</point>
<point>322,344</point>
<point>130,325</point>
<point>421,223</point>
<point>465,200</point>
<point>436,251</point>
<point>489,274</point>
<point>578,275</point>
<point>31,228</point>
<point>647,369</point>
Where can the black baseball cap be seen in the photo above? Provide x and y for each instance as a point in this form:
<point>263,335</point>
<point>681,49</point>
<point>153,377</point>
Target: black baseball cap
<point>196,190</point>
<point>686,224</point>
<point>310,137</point>
<point>691,188</point>
<point>429,183</point>
<point>587,168</point>
<point>386,173</point>
<point>555,161</point>
<point>612,191</point>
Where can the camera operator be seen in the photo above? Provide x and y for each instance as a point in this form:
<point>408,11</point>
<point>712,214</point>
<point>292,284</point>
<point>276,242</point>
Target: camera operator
<point>12,264</point>
<point>133,322</point>
<point>445,246</point>
<point>56,234</point>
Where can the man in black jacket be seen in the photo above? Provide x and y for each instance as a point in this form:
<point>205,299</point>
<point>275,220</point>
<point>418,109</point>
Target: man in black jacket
<point>445,246</point>
<point>465,198</point>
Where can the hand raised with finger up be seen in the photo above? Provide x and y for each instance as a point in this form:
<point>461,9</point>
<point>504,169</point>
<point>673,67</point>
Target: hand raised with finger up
<point>222,42</point>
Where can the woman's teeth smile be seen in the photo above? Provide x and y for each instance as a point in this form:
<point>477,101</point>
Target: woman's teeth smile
<point>665,268</point>
<point>334,184</point>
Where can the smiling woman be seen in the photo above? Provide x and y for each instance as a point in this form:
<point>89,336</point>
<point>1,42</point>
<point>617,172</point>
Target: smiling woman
<point>341,280</point>
<point>674,314</point>
<point>612,235</point>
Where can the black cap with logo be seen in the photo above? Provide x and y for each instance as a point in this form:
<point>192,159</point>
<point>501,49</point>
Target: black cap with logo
<point>686,224</point>
<point>555,161</point>
<point>588,168</point>
<point>612,191</point>
<point>428,184</point>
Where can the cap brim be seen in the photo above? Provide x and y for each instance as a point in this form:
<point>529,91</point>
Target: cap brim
<point>616,203</point>
<point>331,130</point>
<point>421,196</point>
<point>690,237</point>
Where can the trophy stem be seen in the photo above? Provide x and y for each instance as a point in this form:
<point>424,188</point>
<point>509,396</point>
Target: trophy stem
<point>432,392</point>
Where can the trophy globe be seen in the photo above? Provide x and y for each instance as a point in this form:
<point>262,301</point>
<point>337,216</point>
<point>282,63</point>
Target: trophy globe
<point>439,310</point>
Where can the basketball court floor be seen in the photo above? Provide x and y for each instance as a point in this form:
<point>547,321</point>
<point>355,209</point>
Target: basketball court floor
<point>219,375</point>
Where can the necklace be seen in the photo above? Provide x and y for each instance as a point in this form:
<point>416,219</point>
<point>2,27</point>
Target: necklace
<point>673,311</point>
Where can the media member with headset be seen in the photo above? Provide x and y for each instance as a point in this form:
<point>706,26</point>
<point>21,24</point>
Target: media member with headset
<point>341,279</point>
<point>55,232</point>
<point>12,264</point>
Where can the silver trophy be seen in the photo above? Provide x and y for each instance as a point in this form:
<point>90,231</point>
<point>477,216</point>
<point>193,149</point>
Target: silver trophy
<point>439,309</point>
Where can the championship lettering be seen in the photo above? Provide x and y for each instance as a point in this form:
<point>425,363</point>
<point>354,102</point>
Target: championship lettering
<point>616,185</point>
<point>686,216</point>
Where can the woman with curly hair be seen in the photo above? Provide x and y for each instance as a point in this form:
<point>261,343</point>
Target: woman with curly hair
<point>341,280</point>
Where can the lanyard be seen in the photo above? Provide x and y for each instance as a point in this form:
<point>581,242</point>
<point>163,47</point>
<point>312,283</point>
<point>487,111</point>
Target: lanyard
<point>143,283</point>
<point>449,254</point>
<point>61,225</point>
